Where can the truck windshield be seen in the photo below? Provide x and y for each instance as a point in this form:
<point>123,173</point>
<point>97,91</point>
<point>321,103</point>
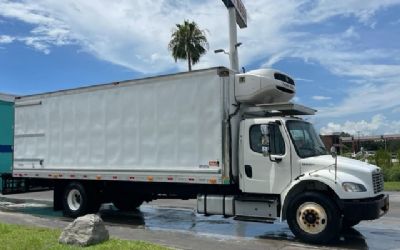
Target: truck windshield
<point>305,139</point>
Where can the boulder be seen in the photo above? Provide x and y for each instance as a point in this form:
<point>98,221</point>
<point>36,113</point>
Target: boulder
<point>85,231</point>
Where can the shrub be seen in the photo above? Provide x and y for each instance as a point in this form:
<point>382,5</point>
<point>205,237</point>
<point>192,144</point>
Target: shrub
<point>383,159</point>
<point>398,158</point>
<point>386,174</point>
<point>394,174</point>
<point>371,159</point>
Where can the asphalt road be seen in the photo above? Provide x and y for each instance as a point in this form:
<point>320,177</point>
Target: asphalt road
<point>174,223</point>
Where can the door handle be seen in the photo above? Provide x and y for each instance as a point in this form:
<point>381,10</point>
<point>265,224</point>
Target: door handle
<point>276,158</point>
<point>248,171</point>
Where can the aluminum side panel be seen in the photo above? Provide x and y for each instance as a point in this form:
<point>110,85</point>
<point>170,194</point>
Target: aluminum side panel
<point>171,124</point>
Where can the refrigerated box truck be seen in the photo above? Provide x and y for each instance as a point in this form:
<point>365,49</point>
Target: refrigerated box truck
<point>233,141</point>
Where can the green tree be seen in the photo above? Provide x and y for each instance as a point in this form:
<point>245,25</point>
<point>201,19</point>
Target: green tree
<point>383,158</point>
<point>398,158</point>
<point>188,42</point>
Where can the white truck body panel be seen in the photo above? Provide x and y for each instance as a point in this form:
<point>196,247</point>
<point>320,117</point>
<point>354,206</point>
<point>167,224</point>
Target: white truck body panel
<point>6,97</point>
<point>167,129</point>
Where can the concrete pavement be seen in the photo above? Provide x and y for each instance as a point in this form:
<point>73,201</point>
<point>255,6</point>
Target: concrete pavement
<point>174,223</point>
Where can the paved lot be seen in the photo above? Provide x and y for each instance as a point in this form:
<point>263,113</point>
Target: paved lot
<point>174,223</point>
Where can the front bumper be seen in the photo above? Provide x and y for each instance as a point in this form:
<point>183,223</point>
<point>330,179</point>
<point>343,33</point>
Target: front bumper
<point>366,209</point>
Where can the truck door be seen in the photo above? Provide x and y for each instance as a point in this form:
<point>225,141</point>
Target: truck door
<point>261,172</point>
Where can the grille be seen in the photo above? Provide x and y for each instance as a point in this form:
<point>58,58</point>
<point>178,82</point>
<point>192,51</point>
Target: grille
<point>377,181</point>
<point>283,78</point>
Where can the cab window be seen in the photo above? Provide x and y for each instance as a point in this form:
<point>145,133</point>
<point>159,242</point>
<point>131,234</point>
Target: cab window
<point>306,141</point>
<point>277,144</point>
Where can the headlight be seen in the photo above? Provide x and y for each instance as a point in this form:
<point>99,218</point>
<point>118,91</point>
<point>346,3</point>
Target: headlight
<point>353,187</point>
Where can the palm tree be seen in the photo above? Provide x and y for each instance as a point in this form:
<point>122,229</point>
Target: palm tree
<point>188,42</point>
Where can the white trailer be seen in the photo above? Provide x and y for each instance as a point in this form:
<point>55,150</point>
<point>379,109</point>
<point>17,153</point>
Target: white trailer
<point>231,140</point>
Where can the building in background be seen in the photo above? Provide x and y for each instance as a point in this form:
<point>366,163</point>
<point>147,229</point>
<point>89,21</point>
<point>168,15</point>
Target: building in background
<point>332,140</point>
<point>345,143</point>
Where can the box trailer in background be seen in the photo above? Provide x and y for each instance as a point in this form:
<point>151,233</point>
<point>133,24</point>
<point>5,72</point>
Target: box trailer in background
<point>231,140</point>
<point>6,134</point>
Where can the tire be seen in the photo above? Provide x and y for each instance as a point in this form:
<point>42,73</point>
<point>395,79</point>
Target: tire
<point>347,223</point>
<point>127,205</point>
<point>314,218</point>
<point>79,200</point>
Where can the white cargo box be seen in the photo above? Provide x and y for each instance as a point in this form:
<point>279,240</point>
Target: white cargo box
<point>162,129</point>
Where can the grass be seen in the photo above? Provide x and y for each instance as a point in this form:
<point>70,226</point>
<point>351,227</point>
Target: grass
<point>14,237</point>
<point>392,186</point>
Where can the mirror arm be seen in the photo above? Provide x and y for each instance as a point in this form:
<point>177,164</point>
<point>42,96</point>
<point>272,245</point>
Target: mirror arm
<point>334,155</point>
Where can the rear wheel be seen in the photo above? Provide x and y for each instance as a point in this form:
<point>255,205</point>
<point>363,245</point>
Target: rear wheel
<point>314,218</point>
<point>79,200</point>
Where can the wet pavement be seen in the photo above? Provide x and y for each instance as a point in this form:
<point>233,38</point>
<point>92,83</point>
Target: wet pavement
<point>380,234</point>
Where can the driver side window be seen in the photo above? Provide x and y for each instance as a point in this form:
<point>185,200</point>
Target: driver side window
<point>277,144</point>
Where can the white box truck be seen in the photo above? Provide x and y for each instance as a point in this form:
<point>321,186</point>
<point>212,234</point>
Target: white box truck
<point>230,140</point>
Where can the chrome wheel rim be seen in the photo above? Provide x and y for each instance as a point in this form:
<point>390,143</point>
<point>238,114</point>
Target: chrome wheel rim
<point>311,218</point>
<point>74,199</point>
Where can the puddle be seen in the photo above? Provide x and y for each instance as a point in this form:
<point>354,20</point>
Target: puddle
<point>165,218</point>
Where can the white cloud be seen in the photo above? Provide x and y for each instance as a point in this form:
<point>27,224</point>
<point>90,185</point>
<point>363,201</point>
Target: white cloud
<point>378,124</point>
<point>363,10</point>
<point>321,98</point>
<point>6,39</point>
<point>396,110</point>
<point>275,58</point>
<point>37,43</point>
<point>351,33</point>
<point>396,22</point>
<point>135,34</point>
<point>367,98</point>
<point>131,34</point>
<point>296,99</point>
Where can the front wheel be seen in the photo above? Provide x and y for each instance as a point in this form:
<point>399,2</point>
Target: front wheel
<point>314,218</point>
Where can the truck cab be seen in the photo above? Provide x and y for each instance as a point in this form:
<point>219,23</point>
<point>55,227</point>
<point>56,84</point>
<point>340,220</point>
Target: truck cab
<point>286,173</point>
<point>316,192</point>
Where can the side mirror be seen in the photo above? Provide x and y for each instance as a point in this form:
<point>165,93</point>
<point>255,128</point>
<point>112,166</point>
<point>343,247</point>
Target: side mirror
<point>333,152</point>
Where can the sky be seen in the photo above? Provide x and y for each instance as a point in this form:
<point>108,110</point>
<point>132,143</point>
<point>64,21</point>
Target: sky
<point>344,55</point>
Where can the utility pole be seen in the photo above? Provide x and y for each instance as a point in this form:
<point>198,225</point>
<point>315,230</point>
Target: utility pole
<point>237,14</point>
<point>359,140</point>
<point>233,52</point>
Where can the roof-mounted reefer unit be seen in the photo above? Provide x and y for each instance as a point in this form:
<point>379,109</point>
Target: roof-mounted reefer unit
<point>264,86</point>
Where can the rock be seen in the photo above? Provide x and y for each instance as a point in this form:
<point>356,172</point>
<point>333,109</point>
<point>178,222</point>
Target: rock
<point>85,231</point>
